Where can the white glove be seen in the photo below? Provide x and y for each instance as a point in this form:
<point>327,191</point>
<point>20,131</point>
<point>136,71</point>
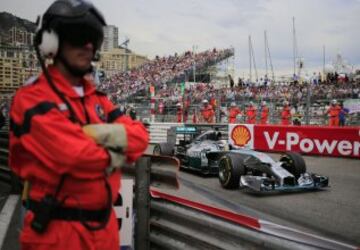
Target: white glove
<point>111,136</point>
<point>117,160</point>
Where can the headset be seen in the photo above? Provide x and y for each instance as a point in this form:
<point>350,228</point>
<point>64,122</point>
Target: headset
<point>67,13</point>
<point>47,41</point>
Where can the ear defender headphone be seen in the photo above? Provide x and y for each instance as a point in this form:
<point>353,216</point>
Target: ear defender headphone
<point>46,40</point>
<point>62,13</point>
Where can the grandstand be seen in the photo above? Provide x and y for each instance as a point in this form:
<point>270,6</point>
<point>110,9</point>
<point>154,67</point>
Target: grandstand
<point>166,74</point>
<point>160,72</point>
<point>173,81</point>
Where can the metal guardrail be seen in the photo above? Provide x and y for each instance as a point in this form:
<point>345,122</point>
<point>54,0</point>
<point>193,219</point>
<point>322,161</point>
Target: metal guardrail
<point>5,173</point>
<point>173,226</point>
<point>178,223</point>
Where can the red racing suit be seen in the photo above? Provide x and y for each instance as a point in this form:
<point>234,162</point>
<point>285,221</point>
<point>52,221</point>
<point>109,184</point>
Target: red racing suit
<point>45,145</point>
<point>251,115</point>
<point>233,113</point>
<point>333,113</point>
<point>285,116</point>
<point>208,113</point>
<point>264,115</point>
<point>179,114</point>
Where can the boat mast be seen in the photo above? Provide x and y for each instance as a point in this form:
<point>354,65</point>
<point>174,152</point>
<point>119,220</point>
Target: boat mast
<point>252,59</point>
<point>324,61</point>
<point>267,53</point>
<point>294,46</point>
<point>266,63</point>
<point>250,73</point>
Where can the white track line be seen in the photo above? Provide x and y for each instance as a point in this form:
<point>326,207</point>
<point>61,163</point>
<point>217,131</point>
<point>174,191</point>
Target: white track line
<point>6,216</point>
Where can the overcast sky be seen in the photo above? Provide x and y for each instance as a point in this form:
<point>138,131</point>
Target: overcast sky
<point>163,27</point>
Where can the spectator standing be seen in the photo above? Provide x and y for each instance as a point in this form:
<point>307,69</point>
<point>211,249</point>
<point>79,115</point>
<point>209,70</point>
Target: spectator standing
<point>69,151</point>
<point>333,112</point>
<point>296,116</point>
<point>251,114</point>
<point>342,115</point>
<point>264,115</point>
<point>234,111</point>
<point>194,118</point>
<point>179,112</point>
<point>285,114</point>
<point>186,109</point>
<point>161,109</point>
<point>207,112</point>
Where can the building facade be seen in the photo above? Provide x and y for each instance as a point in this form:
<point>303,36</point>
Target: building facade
<point>17,64</point>
<point>119,59</point>
<point>111,38</point>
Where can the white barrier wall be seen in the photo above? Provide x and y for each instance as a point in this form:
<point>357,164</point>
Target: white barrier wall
<point>158,131</point>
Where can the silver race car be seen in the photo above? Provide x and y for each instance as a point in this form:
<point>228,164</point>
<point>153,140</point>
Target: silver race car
<point>208,153</point>
<point>259,172</point>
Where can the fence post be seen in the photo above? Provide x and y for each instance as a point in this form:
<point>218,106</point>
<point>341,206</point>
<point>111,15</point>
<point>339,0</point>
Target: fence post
<point>142,203</point>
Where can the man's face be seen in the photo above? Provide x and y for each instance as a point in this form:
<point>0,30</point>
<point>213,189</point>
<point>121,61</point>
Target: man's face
<point>78,57</point>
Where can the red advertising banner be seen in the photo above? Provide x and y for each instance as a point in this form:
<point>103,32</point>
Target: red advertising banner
<point>330,141</point>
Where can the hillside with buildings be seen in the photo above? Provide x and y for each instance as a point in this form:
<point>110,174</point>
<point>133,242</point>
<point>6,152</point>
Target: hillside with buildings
<point>18,60</point>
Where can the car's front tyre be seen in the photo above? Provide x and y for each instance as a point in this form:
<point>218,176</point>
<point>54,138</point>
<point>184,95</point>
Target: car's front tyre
<point>231,168</point>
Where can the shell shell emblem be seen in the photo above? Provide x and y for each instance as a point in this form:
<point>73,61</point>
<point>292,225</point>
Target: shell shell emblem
<point>240,135</point>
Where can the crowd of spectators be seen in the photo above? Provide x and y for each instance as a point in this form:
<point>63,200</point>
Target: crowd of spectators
<point>159,72</point>
<point>167,74</point>
<point>294,92</point>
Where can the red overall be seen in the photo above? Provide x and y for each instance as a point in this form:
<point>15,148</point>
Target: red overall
<point>334,112</point>
<point>45,145</point>
<point>264,116</point>
<point>285,116</point>
<point>208,113</point>
<point>233,113</point>
<point>251,115</point>
<point>179,114</point>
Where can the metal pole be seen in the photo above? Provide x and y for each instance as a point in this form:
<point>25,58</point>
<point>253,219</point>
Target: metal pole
<point>308,99</point>
<point>250,74</point>
<point>265,46</point>
<point>294,45</point>
<point>142,203</point>
<point>323,62</point>
<point>194,66</point>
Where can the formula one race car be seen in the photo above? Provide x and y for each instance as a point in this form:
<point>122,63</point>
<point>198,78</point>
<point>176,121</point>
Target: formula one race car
<point>192,148</point>
<point>207,153</point>
<point>259,172</point>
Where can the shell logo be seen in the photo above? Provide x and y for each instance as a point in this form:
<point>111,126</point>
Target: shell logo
<point>240,135</point>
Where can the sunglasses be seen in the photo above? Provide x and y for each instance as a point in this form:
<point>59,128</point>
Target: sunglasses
<point>80,35</point>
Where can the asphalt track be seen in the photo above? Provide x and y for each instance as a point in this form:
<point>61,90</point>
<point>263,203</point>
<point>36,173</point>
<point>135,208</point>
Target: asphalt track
<point>333,212</point>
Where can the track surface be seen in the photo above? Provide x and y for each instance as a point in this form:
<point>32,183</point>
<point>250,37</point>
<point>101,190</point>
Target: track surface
<point>333,212</point>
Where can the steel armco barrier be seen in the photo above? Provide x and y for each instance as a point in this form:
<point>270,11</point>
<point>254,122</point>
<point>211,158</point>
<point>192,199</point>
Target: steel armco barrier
<point>5,173</point>
<point>177,223</point>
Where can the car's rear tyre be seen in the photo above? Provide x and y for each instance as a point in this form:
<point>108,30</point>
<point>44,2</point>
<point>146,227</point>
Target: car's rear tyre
<point>294,163</point>
<point>231,168</point>
<point>163,149</point>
